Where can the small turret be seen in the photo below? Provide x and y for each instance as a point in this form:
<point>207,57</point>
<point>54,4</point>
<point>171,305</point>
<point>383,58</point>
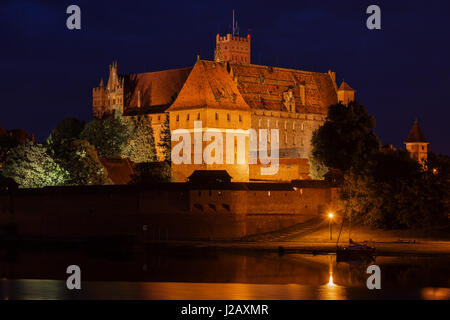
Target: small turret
<point>345,93</point>
<point>417,144</point>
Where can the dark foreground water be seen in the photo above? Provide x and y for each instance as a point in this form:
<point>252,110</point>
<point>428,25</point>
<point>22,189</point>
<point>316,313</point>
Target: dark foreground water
<point>206,274</point>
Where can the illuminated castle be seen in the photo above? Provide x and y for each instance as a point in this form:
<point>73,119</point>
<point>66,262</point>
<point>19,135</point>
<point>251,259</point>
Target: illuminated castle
<point>229,93</point>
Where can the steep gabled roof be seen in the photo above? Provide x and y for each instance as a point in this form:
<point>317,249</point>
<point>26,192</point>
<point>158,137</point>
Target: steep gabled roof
<point>263,86</point>
<point>209,85</point>
<point>119,170</point>
<point>156,90</point>
<point>416,134</point>
<point>345,87</point>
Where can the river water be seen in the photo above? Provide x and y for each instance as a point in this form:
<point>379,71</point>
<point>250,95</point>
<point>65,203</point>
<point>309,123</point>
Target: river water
<point>211,274</point>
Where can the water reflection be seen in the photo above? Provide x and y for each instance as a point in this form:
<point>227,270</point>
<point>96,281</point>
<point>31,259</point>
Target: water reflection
<point>208,274</point>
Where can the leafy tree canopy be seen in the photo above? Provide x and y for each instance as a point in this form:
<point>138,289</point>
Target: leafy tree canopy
<point>316,169</point>
<point>151,172</point>
<point>346,140</point>
<point>141,143</point>
<point>80,159</point>
<point>31,166</point>
<point>395,192</point>
<point>109,135</point>
<point>165,140</point>
<point>69,128</point>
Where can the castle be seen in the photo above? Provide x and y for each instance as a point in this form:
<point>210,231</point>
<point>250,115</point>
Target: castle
<point>229,93</point>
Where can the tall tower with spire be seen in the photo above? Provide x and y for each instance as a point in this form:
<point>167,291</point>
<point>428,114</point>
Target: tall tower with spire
<point>232,47</point>
<point>417,144</point>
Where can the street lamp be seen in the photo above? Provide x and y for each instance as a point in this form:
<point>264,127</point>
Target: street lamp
<point>330,216</point>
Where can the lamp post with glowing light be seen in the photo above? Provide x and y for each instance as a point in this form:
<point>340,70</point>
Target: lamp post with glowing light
<point>330,216</point>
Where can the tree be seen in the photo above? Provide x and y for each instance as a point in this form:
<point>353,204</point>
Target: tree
<point>69,128</point>
<point>151,172</point>
<point>10,139</point>
<point>165,141</point>
<point>109,135</point>
<point>395,192</point>
<point>316,169</point>
<point>32,167</point>
<point>141,144</point>
<point>6,144</point>
<point>346,140</point>
<point>80,160</point>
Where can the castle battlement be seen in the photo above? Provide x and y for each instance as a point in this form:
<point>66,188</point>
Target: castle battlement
<point>231,48</point>
<point>230,37</point>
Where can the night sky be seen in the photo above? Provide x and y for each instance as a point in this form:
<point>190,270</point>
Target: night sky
<point>401,72</point>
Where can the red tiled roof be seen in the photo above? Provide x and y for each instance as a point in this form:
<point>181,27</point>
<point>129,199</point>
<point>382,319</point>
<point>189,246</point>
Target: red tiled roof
<point>229,86</point>
<point>416,134</point>
<point>156,89</point>
<point>345,87</point>
<point>262,88</point>
<point>209,85</point>
<point>119,170</point>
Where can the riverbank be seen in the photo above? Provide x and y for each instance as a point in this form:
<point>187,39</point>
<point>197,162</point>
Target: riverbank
<point>316,240</point>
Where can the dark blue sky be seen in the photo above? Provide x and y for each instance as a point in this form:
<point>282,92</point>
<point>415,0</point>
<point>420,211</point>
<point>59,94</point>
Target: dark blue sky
<point>401,72</point>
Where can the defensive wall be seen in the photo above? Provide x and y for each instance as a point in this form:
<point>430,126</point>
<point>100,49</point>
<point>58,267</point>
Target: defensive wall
<point>165,211</point>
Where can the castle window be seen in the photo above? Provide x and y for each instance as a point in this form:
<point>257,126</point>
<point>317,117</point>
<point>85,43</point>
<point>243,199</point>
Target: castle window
<point>302,126</point>
<point>259,123</point>
<point>178,117</point>
<point>187,117</point>
<point>285,125</point>
<point>240,118</point>
<point>268,193</point>
<point>285,139</point>
<point>217,116</point>
<point>198,116</point>
<point>228,116</point>
<point>159,118</point>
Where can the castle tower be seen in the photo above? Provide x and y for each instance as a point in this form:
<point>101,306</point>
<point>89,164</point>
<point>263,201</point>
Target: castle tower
<point>345,93</point>
<point>99,100</point>
<point>232,48</point>
<point>210,98</point>
<point>417,144</point>
<point>110,98</point>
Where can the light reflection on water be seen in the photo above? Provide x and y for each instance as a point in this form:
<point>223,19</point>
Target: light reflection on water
<point>219,275</point>
<point>55,290</point>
